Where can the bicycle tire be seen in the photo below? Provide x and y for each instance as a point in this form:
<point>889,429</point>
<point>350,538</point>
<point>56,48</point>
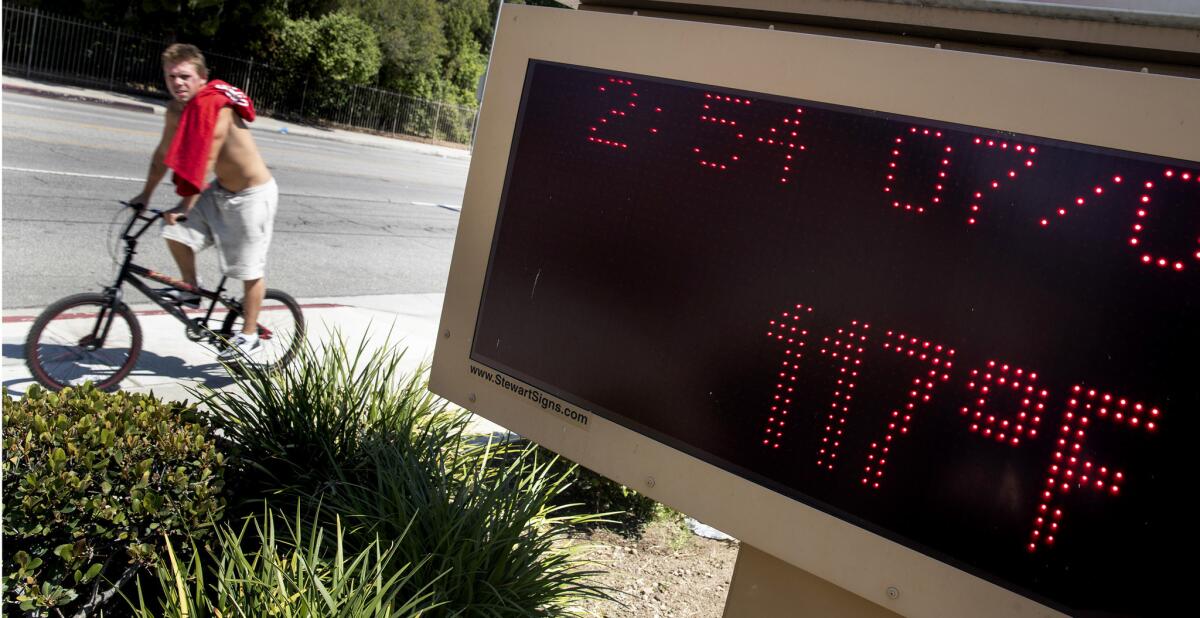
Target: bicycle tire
<point>55,349</point>
<point>281,314</point>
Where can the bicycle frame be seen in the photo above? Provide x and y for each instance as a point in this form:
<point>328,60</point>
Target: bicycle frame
<point>132,273</point>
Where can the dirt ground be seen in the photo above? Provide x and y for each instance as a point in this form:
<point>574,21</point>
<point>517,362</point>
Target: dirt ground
<point>669,572</point>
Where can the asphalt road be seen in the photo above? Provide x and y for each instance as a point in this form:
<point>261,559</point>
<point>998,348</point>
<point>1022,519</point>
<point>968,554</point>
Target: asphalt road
<point>355,217</point>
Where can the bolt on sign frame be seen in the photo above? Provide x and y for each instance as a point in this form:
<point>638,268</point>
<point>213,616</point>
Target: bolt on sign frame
<point>916,324</point>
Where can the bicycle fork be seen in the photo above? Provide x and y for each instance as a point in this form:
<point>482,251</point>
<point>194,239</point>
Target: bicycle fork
<point>99,334</point>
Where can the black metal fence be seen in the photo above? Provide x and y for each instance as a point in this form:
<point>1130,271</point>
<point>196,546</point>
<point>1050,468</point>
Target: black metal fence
<point>62,49</point>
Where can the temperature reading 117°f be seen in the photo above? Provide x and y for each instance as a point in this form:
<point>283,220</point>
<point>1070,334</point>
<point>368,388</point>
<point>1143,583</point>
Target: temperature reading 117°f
<point>998,402</point>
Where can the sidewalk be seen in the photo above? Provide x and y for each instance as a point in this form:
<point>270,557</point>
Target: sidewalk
<point>170,363</point>
<point>129,102</point>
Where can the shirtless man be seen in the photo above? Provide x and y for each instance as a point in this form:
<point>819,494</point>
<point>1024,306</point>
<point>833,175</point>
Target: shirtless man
<point>236,211</point>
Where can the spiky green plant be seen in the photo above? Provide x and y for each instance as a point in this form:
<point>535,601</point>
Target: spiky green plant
<point>298,571</point>
<point>298,427</point>
<point>490,528</point>
<point>369,447</point>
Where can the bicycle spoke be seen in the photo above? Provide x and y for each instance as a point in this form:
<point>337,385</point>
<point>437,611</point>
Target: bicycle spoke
<point>63,351</point>
<point>280,329</point>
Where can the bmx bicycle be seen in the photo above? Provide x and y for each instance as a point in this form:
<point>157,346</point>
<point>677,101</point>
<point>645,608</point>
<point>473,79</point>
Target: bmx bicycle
<point>96,336</point>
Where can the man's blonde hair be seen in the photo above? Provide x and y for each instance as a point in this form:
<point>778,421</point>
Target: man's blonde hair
<point>182,52</point>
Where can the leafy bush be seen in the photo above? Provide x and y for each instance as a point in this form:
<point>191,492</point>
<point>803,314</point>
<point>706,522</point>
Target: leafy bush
<point>296,571</point>
<point>323,57</point>
<point>455,123</point>
<point>337,46</point>
<point>366,445</point>
<point>93,485</point>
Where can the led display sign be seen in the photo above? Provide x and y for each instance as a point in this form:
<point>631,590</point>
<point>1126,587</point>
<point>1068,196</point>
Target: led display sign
<point>979,344</point>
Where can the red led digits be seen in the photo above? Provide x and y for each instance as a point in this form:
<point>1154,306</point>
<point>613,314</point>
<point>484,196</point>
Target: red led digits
<point>902,156</point>
<point>1144,205</point>
<point>846,348</point>
<point>935,361</point>
<point>1013,382</point>
<point>1143,202</point>
<point>1020,158</point>
<point>621,101</point>
<point>789,330</point>
<point>1087,197</point>
<point>785,138</point>
<point>718,110</point>
<point>1073,467</point>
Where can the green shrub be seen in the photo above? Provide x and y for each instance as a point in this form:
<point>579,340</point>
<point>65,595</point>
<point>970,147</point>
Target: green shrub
<point>93,484</point>
<point>298,428</point>
<point>370,447</point>
<point>294,571</point>
<point>337,46</point>
<point>488,531</point>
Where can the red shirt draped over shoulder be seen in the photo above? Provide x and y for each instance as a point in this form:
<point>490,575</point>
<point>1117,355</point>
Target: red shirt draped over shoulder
<point>188,154</point>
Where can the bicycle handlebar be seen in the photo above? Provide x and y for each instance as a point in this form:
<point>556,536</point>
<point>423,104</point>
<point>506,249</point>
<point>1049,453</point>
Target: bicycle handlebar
<point>140,208</point>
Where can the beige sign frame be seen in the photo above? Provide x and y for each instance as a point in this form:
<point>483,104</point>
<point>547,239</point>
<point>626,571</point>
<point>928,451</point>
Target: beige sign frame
<point>1118,109</point>
<point>1144,30</point>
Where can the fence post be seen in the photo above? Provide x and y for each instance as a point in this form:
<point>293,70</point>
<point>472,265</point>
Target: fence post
<point>112,73</point>
<point>249,74</point>
<point>396,118</point>
<point>353,98</point>
<point>303,96</point>
<point>32,44</point>
<point>436,117</point>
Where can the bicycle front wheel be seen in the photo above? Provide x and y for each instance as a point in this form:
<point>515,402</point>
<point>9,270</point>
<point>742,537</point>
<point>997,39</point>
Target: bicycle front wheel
<point>280,330</point>
<point>83,338</point>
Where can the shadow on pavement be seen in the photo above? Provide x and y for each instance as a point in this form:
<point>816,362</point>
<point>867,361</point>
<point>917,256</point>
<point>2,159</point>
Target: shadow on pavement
<point>152,370</point>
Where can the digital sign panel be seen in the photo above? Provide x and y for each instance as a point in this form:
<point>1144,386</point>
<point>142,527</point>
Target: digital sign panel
<point>979,344</point>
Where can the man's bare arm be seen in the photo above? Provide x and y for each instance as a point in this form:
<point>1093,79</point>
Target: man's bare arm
<point>158,169</point>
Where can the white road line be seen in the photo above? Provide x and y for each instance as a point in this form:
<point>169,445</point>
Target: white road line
<point>22,169</point>
<point>6,168</point>
<point>446,206</point>
<point>41,108</point>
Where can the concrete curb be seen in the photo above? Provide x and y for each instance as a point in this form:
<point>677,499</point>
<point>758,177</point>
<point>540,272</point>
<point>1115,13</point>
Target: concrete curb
<point>49,94</point>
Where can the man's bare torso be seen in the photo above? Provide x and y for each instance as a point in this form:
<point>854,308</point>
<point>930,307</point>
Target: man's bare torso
<point>234,158</point>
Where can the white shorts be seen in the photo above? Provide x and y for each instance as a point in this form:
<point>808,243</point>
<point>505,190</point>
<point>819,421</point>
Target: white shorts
<point>240,224</point>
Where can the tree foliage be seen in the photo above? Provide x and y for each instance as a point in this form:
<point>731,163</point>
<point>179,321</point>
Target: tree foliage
<point>424,48</point>
<point>431,48</point>
<point>411,38</point>
<point>468,29</point>
<point>233,27</point>
<point>337,46</point>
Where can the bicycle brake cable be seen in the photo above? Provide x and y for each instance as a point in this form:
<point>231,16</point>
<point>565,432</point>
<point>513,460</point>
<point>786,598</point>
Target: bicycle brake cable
<point>114,240</point>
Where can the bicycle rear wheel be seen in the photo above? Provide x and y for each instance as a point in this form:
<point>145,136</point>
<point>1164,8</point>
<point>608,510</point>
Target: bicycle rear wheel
<point>61,349</point>
<point>281,330</point>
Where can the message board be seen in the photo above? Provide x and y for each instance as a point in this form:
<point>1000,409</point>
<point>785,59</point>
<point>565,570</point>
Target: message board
<point>974,342</point>
<point>969,340</point>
